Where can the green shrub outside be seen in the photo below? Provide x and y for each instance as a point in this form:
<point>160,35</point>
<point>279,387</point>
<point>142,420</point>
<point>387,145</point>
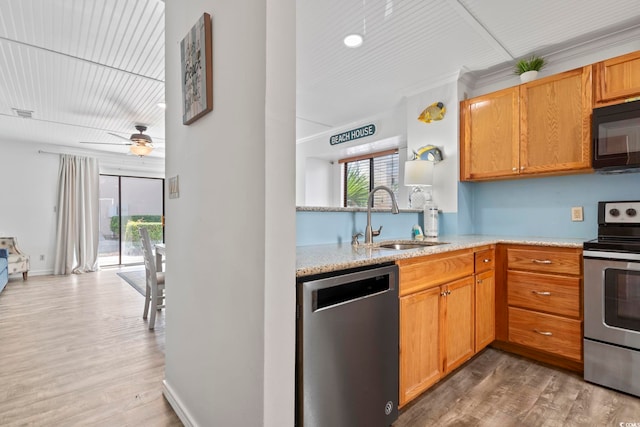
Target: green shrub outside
<point>132,231</point>
<point>115,221</point>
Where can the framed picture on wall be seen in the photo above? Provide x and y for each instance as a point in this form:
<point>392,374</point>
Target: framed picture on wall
<point>197,71</point>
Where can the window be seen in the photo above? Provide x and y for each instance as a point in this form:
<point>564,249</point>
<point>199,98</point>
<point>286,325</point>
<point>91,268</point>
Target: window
<point>361,174</point>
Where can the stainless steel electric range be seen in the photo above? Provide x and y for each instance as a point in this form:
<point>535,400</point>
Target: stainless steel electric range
<point>612,298</point>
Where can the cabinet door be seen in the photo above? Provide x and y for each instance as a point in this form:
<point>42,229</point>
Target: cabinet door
<point>617,79</point>
<point>420,365</point>
<point>489,135</point>
<point>485,309</point>
<point>555,123</point>
<point>458,321</point>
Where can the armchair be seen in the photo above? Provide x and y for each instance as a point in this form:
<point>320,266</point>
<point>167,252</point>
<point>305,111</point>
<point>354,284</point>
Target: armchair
<point>18,261</point>
<point>4,268</point>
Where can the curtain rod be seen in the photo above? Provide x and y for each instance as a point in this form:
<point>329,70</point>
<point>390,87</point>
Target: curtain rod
<point>48,152</point>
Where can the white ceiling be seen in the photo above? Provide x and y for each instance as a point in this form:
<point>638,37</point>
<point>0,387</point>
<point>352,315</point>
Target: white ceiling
<point>87,68</point>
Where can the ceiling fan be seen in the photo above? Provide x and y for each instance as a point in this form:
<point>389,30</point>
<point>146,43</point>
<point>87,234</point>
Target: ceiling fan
<point>139,143</point>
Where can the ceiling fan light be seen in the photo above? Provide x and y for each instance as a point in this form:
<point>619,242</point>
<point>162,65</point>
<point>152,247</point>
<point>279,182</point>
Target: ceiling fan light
<point>140,138</point>
<point>353,40</point>
<point>140,150</point>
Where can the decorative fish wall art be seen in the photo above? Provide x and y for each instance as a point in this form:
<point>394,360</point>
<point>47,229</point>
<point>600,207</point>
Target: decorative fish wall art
<point>433,112</point>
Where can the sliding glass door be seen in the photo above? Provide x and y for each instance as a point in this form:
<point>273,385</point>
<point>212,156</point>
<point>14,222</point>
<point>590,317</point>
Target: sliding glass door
<point>126,204</point>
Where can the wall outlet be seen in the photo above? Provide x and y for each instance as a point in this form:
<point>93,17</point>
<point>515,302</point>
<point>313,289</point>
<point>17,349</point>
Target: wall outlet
<point>576,213</point>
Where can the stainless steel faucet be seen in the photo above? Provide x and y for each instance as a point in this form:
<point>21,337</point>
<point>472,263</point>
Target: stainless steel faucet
<point>369,232</point>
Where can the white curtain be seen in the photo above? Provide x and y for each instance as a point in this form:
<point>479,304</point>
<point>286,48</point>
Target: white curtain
<point>78,215</point>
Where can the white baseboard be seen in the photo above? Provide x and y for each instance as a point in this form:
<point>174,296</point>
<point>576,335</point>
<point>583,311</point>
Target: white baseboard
<point>177,405</point>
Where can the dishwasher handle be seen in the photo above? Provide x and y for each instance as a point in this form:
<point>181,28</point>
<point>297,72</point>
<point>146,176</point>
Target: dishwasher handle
<point>344,293</point>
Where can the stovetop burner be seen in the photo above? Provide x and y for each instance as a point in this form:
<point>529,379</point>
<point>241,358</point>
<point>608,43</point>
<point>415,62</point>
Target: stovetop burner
<point>618,228</point>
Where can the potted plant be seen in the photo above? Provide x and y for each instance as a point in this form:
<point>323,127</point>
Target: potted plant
<point>528,69</point>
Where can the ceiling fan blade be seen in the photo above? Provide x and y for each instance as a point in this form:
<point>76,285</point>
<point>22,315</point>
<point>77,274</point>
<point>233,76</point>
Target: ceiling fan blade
<point>119,136</point>
<point>105,143</point>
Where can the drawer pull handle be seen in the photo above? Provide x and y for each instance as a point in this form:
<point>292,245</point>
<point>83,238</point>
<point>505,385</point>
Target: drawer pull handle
<point>541,261</point>
<point>544,293</point>
<point>486,260</point>
<point>546,334</point>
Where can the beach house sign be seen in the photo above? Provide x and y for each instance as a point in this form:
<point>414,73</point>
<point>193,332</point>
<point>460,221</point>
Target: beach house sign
<point>352,134</point>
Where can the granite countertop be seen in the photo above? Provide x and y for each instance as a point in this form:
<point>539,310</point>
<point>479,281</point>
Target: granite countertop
<point>316,259</point>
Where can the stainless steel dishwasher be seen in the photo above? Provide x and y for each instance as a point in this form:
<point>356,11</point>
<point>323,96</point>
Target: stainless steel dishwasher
<point>347,348</point>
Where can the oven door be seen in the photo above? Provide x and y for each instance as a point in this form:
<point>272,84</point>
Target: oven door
<point>612,301</point>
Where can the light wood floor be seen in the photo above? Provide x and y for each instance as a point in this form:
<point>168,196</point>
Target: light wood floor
<point>74,351</point>
<point>498,389</point>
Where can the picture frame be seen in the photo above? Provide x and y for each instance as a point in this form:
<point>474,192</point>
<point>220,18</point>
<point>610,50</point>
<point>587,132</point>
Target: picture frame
<point>197,71</point>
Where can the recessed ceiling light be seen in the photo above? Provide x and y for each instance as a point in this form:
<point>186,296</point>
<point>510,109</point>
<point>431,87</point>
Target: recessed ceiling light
<point>353,40</point>
<point>162,105</point>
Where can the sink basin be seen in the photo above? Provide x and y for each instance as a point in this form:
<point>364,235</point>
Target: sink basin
<point>409,245</point>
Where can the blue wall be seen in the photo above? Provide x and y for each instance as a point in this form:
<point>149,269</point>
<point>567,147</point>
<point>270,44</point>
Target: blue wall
<point>533,207</point>
<point>542,206</point>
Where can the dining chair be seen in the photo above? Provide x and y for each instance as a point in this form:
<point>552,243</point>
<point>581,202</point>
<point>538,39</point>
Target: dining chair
<point>154,279</point>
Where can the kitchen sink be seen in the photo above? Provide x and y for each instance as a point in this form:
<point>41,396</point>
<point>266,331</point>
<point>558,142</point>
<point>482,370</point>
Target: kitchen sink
<point>401,246</point>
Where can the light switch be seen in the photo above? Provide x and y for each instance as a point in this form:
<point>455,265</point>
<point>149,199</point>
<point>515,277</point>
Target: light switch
<point>174,187</point>
<point>576,213</point>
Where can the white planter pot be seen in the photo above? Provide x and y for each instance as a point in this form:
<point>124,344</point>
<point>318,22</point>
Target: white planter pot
<point>528,76</point>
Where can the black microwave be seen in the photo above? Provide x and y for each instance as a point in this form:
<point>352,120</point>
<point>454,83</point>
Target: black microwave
<point>616,137</point>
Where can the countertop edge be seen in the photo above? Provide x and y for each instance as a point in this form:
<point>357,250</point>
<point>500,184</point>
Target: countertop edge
<point>369,255</point>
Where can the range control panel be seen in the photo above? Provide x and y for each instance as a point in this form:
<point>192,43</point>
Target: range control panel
<point>622,212</point>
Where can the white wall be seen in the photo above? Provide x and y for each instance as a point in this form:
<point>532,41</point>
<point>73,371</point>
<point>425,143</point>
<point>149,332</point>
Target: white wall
<point>28,193</point>
<point>230,329</point>
<point>443,134</point>
<point>311,151</point>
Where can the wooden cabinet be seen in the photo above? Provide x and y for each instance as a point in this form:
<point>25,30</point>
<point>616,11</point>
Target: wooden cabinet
<point>420,365</point>
<point>436,318</point>
<point>490,135</point>
<point>485,291</point>
<point>617,79</point>
<point>555,123</point>
<point>544,297</point>
<point>537,128</point>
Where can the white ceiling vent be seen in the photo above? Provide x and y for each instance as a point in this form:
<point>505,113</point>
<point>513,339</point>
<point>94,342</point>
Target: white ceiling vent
<point>25,114</point>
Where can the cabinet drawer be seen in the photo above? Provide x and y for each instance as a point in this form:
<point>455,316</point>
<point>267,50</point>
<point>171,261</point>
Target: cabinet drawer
<point>546,332</point>
<point>544,260</point>
<point>421,273</point>
<point>484,260</point>
<point>553,294</point>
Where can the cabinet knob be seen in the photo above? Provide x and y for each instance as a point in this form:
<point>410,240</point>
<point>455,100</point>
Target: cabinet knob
<point>486,260</point>
<point>521,168</point>
<point>515,169</point>
<point>546,334</point>
<point>479,281</point>
<point>544,293</point>
<point>541,261</point>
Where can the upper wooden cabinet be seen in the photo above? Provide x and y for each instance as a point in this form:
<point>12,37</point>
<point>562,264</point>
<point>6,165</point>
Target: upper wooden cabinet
<point>616,79</point>
<point>538,128</point>
<point>490,135</point>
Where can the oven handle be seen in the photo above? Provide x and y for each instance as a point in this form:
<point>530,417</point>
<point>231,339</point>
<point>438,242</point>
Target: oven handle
<point>546,334</point>
<point>627,256</point>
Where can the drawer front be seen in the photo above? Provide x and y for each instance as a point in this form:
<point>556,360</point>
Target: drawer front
<point>553,294</point>
<point>546,332</point>
<point>485,260</point>
<point>421,273</point>
<point>544,260</point>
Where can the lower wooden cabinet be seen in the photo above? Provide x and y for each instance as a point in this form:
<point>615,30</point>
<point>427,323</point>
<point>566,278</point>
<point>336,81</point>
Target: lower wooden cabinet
<point>485,308</point>
<point>420,365</point>
<point>436,335</point>
<point>546,332</point>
